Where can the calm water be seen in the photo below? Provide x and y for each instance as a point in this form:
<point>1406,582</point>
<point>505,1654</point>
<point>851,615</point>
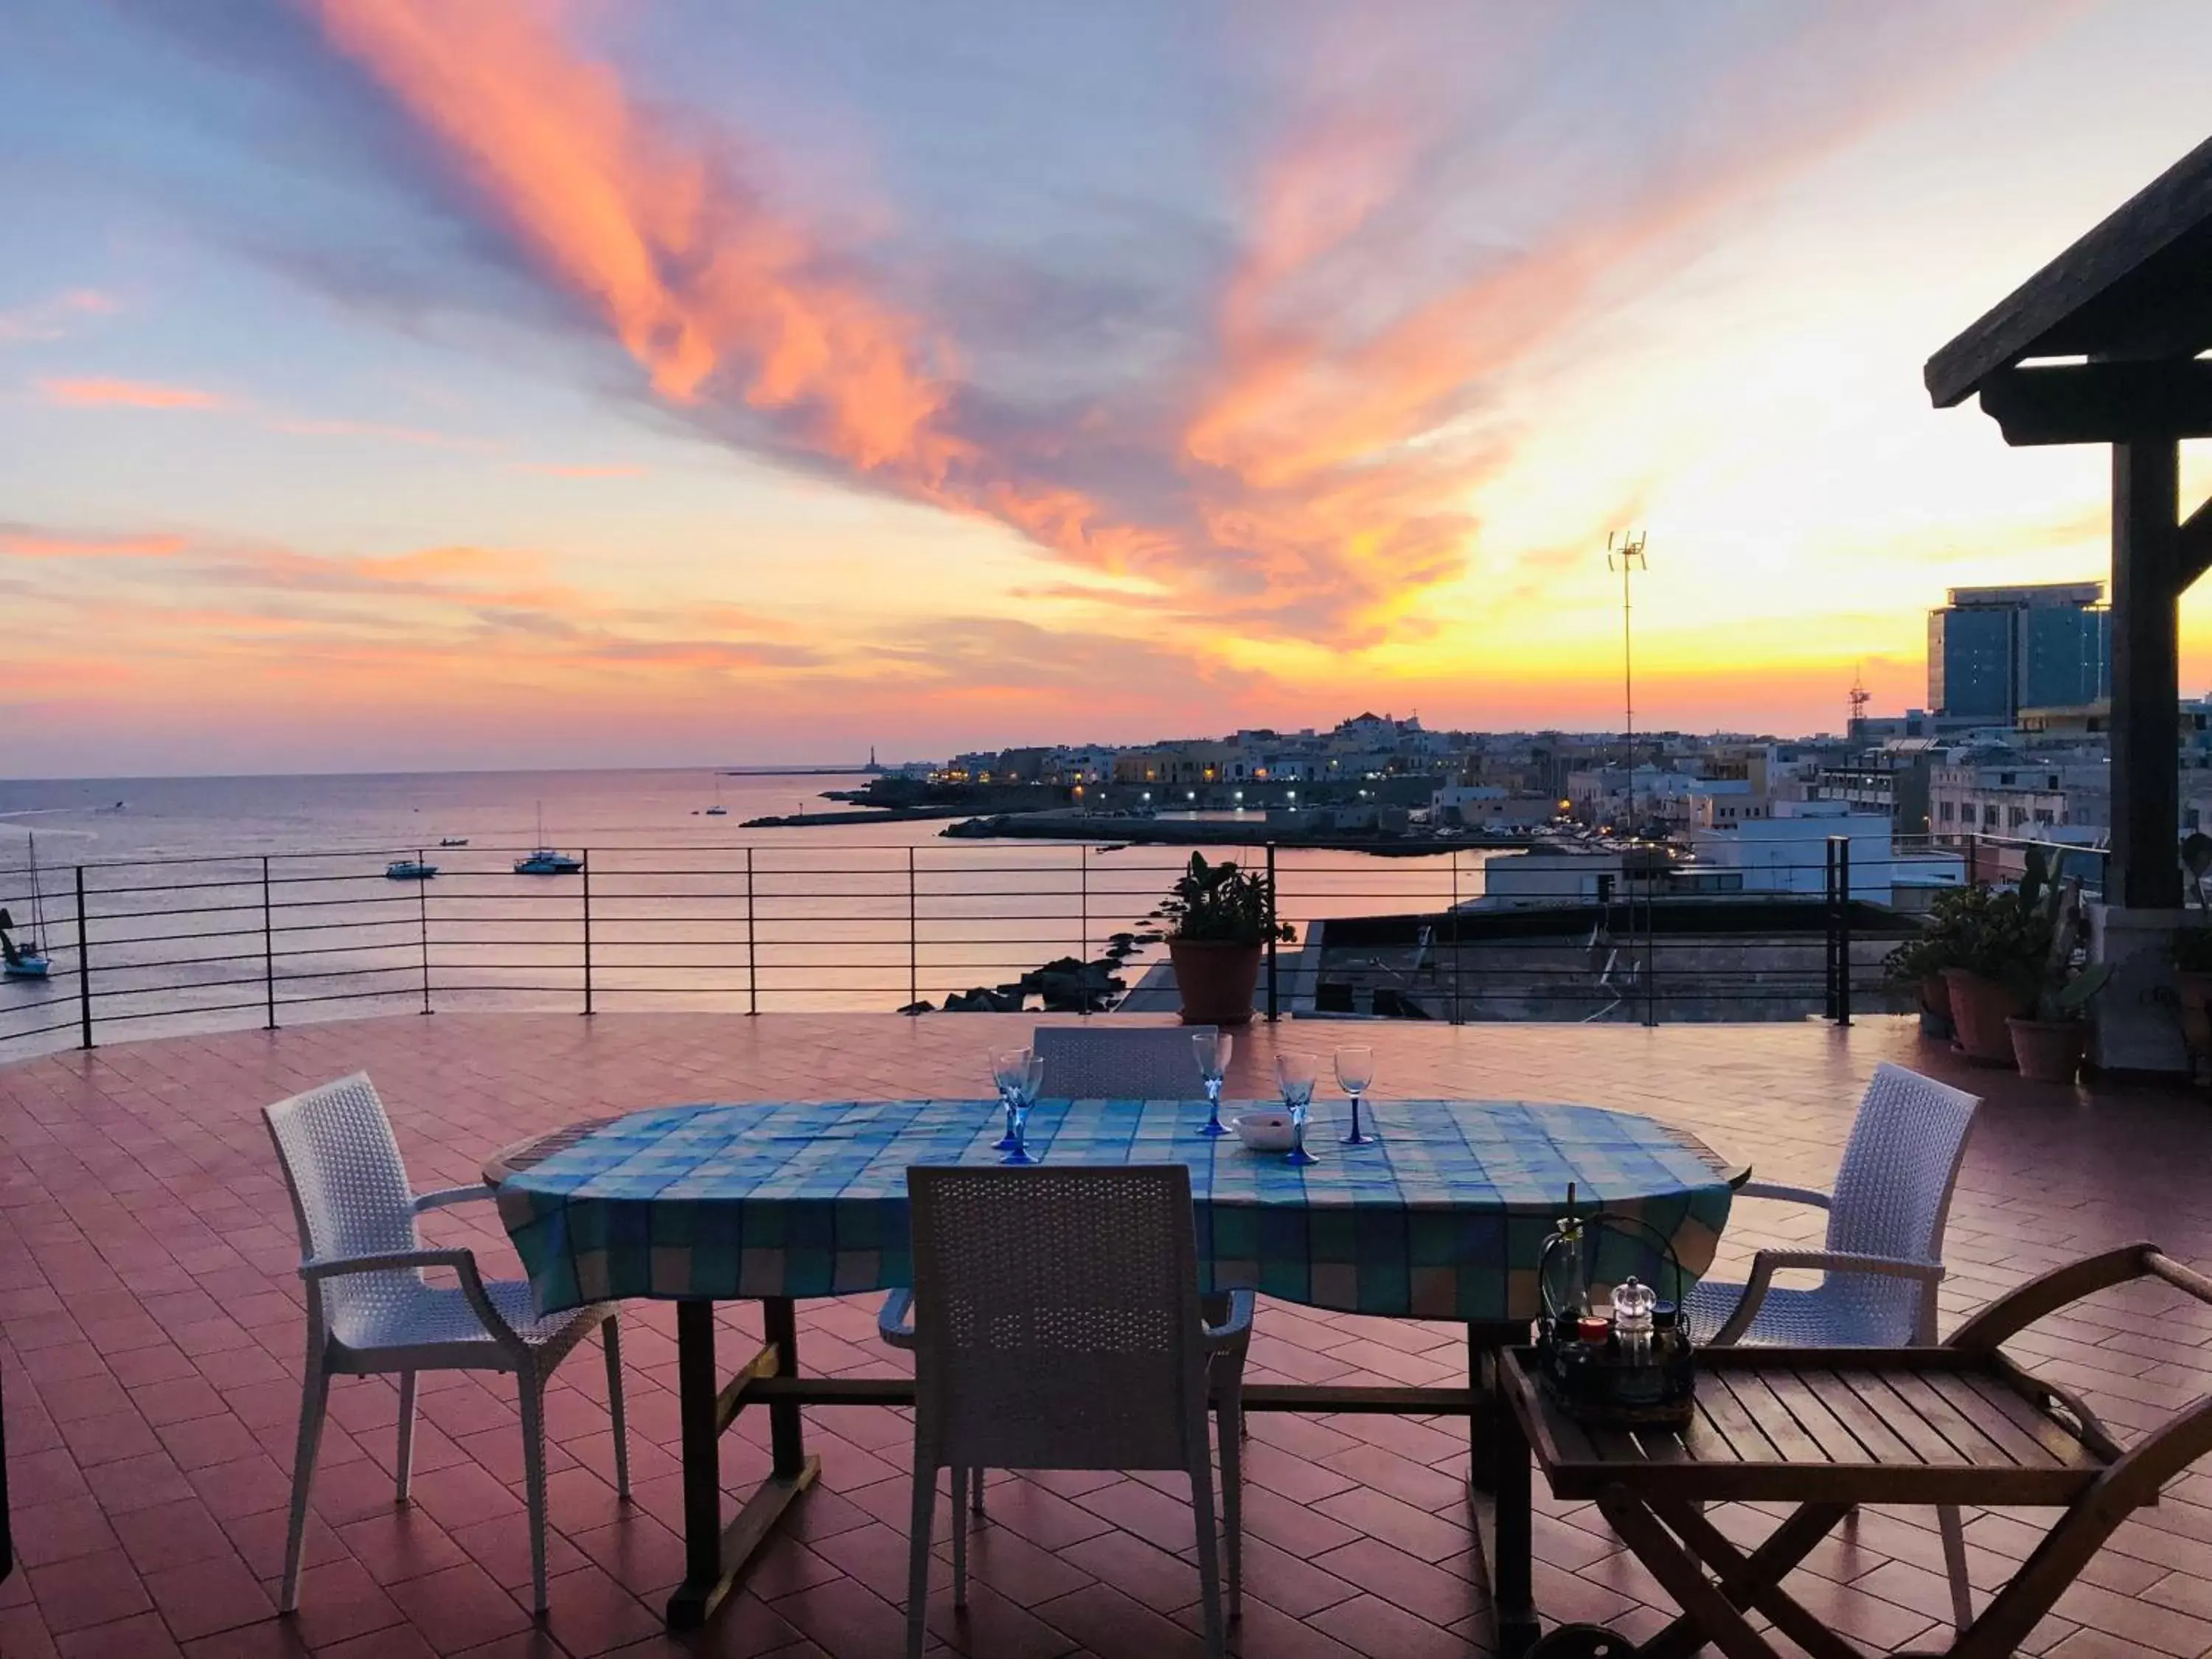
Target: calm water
<point>680,910</point>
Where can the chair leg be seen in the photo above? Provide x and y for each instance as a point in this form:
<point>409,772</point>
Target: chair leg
<point>611,1339</point>
<point>975,1493</point>
<point>314,1399</point>
<point>405,1475</point>
<point>531,1388</point>
<point>1209,1555</point>
<point>1954,1562</point>
<point>1232,1497</point>
<point>917,1564</point>
<point>960,1477</point>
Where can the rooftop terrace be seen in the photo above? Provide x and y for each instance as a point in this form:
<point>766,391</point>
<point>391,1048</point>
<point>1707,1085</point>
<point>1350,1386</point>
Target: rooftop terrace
<point>150,1332</point>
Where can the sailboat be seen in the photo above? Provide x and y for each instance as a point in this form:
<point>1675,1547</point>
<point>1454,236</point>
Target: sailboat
<point>717,810</point>
<point>545,860</point>
<point>24,959</point>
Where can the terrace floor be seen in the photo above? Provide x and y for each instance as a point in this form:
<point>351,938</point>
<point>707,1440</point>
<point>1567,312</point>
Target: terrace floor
<point>150,1332</point>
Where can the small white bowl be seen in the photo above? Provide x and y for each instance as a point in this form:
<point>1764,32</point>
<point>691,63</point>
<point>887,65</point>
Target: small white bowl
<point>1264,1131</point>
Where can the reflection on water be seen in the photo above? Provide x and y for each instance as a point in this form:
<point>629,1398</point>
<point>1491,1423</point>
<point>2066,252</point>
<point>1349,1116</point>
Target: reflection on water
<point>684,911</point>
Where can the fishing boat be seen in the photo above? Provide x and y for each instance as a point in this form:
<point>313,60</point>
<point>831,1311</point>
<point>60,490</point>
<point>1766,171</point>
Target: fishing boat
<point>408,870</point>
<point>544,860</point>
<point>23,958</point>
<point>454,840</point>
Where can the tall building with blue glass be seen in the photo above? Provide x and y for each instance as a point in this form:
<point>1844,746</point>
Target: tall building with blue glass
<point>1995,651</point>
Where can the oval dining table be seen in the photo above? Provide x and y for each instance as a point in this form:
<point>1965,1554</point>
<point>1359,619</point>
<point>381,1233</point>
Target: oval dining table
<point>1443,1216</point>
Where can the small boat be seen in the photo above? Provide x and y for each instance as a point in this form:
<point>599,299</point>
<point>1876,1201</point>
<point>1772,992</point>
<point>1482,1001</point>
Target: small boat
<point>544,860</point>
<point>23,958</point>
<point>717,810</point>
<point>454,840</point>
<point>408,870</point>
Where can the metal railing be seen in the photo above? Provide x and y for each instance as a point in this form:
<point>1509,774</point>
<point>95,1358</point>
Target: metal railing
<point>195,944</point>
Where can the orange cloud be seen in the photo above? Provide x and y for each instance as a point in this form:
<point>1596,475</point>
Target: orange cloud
<point>50,544</point>
<point>702,283</point>
<point>96,393</point>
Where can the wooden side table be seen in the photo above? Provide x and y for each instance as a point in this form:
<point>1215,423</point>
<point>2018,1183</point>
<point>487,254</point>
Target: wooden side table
<point>1831,1429</point>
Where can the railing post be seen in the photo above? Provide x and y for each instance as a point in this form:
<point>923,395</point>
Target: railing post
<point>1457,1017</point>
<point>422,929</point>
<point>83,967</point>
<point>1083,905</point>
<point>1842,846</point>
<point>587,930</point>
<point>913,936</point>
<point>1651,953</point>
<point>752,955</point>
<point>1274,920</point>
<point>268,950</point>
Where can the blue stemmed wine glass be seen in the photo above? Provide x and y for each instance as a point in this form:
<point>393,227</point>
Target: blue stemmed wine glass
<point>1009,1070</point>
<point>1022,1096</point>
<point>1214,1049</point>
<point>1355,1075</point>
<point>1296,1074</point>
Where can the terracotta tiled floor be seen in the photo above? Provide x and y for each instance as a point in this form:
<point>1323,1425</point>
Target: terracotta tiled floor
<point>150,1330</point>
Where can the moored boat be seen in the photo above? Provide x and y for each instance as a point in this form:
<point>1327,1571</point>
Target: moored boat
<point>408,870</point>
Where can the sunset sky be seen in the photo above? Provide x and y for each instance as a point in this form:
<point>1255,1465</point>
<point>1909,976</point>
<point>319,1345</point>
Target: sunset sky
<point>420,383</point>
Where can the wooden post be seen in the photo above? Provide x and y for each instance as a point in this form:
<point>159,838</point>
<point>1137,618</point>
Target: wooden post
<point>2146,731</point>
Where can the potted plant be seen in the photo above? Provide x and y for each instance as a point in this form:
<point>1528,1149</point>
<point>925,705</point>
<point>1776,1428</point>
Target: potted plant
<point>1997,944</point>
<point>2049,1046</point>
<point>1220,918</point>
<point>1917,965</point>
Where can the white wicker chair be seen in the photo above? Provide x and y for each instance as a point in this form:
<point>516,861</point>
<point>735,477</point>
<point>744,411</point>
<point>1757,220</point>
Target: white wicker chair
<point>1057,1327</point>
<point>371,1311</point>
<point>1884,1254</point>
<point>1145,1062</point>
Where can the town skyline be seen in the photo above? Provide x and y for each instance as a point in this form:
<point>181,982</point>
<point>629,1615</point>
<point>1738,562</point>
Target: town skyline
<point>399,387</point>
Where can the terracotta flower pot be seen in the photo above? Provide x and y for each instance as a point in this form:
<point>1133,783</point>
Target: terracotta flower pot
<point>1216,981</point>
<point>1979,1008</point>
<point>1935,1008</point>
<point>2195,991</point>
<point>2049,1050</point>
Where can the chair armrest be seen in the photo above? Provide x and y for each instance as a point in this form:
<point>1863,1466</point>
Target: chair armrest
<point>1237,1326</point>
<point>314,1270</point>
<point>1784,1194</point>
<point>449,1195</point>
<point>895,1323</point>
<point>1767,1263</point>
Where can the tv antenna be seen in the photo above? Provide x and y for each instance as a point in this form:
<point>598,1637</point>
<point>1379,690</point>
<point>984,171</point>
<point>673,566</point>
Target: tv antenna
<point>1860,698</point>
<point>1624,552</point>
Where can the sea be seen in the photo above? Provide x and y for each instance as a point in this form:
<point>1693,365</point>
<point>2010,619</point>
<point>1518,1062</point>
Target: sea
<point>219,902</point>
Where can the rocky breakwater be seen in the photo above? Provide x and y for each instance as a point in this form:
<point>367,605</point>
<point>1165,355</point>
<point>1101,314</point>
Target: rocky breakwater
<point>1064,985</point>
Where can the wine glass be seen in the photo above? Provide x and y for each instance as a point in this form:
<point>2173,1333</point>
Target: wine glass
<point>1355,1075</point>
<point>1296,1075</point>
<point>1028,1081</point>
<point>1010,1070</point>
<point>1214,1049</point>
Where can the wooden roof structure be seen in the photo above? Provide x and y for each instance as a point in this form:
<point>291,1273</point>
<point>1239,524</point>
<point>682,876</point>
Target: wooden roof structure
<point>2100,346</point>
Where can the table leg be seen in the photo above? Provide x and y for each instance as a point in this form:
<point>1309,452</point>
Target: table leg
<point>1512,1589</point>
<point>714,1557</point>
<point>1486,1340</point>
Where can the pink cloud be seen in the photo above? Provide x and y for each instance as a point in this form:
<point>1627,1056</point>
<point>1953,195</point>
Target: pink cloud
<point>99,393</point>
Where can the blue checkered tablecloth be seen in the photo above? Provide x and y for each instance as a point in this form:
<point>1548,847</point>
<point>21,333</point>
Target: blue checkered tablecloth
<point>1443,1217</point>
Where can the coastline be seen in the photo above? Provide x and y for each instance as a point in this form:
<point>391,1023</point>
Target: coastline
<point>1204,832</point>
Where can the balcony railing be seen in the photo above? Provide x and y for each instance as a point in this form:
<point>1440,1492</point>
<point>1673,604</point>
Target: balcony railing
<point>146,947</point>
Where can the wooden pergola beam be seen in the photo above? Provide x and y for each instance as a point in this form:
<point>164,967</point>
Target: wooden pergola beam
<point>2192,547</point>
<point>2102,403</point>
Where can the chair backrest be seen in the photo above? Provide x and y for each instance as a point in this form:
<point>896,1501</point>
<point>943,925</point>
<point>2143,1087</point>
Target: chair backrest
<point>350,1191</point>
<point>1146,1062</point>
<point>1056,1317</point>
<point>1892,1193</point>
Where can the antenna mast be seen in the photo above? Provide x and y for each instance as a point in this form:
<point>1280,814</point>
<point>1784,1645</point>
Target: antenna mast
<point>1860,698</point>
<point>1624,552</point>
